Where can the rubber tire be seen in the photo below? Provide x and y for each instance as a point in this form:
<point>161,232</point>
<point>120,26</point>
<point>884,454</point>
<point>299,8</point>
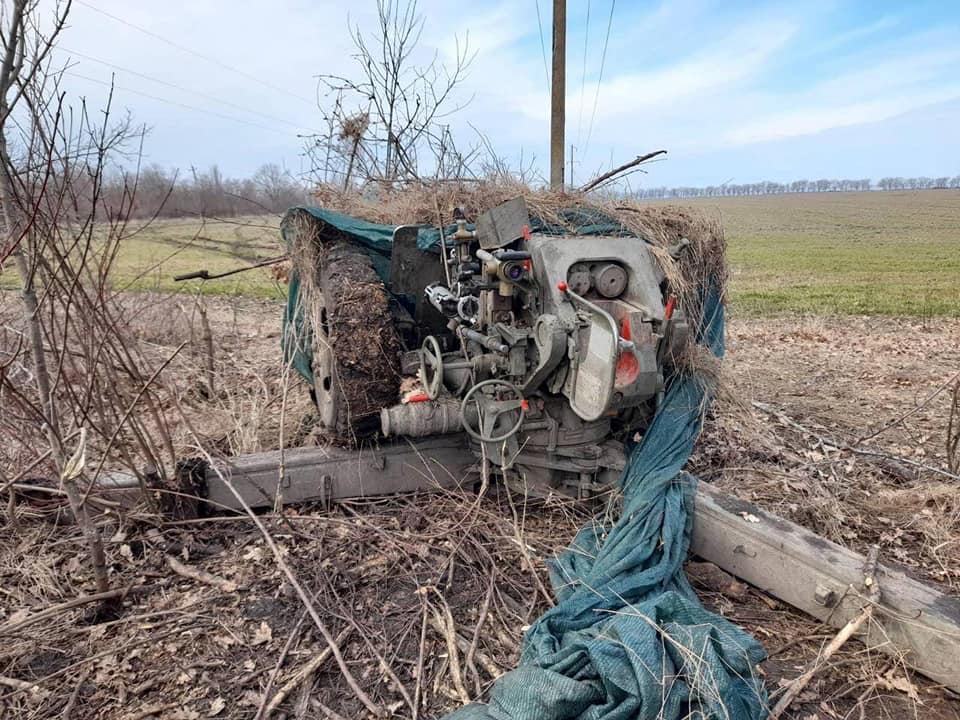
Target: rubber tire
<point>356,347</point>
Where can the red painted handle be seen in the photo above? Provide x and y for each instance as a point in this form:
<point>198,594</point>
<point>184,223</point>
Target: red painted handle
<point>671,303</point>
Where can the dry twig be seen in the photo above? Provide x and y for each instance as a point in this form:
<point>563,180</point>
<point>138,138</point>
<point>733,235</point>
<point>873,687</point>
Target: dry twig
<point>115,594</point>
<point>845,633</point>
<point>201,576</point>
<point>72,700</point>
<point>617,170</point>
<point>443,622</point>
<point>830,443</point>
<point>304,673</point>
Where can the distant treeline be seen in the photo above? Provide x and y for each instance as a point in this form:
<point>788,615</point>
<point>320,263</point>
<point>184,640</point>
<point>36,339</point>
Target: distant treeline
<point>168,193</point>
<point>800,186</point>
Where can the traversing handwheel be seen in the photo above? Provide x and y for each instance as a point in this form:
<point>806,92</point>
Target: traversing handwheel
<point>518,404</point>
<point>431,366</point>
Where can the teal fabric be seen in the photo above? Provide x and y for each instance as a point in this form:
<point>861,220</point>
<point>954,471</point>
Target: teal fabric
<point>628,637</point>
<point>296,337</point>
<point>375,239</point>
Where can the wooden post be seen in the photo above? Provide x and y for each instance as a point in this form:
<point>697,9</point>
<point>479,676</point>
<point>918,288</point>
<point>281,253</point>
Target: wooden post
<point>558,89</point>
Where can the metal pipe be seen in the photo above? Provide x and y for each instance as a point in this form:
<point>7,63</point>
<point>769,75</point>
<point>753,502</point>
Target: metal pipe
<point>491,343</point>
<point>420,419</point>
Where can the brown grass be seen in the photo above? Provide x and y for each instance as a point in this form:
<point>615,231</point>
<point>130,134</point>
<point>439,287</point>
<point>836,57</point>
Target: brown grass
<point>373,565</point>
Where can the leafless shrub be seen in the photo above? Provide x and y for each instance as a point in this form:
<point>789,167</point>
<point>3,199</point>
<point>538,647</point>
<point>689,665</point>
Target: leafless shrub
<point>386,123</point>
<point>73,370</point>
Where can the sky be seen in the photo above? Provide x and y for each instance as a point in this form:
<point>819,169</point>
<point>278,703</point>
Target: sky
<point>735,91</point>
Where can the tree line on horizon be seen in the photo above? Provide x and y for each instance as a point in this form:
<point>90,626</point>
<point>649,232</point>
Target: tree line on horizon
<point>271,189</point>
<point>799,186</point>
<point>160,192</point>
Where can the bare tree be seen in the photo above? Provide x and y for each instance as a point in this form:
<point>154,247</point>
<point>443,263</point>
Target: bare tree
<point>386,123</point>
<point>275,188</point>
<point>25,53</point>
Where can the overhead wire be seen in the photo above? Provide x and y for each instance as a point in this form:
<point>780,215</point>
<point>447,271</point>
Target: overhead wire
<point>583,75</point>
<point>543,47</point>
<point>176,103</point>
<point>195,53</point>
<point>174,86</point>
<point>603,61</point>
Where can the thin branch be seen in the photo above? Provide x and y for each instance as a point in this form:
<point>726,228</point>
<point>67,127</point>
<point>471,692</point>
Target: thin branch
<point>617,170</point>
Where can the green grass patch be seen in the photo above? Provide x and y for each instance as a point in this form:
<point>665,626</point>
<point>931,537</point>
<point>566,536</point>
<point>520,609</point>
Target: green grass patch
<point>844,253</point>
<point>151,255</point>
<point>150,258</point>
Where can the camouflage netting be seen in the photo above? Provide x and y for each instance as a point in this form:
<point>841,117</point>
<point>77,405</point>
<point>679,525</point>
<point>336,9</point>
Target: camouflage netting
<point>369,223</point>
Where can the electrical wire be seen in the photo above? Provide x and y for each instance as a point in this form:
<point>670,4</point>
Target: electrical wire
<point>603,60</point>
<point>583,80</point>
<point>177,104</point>
<point>543,48</point>
<point>174,86</point>
<point>195,53</point>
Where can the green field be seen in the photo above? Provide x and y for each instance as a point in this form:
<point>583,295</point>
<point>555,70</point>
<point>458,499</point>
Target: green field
<point>883,253</point>
<point>150,257</point>
<point>876,253</point>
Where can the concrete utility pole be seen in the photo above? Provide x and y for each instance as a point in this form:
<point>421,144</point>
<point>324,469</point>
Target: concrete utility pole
<point>558,88</point>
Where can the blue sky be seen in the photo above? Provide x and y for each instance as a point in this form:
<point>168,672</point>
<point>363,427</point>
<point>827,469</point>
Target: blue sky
<point>733,90</point>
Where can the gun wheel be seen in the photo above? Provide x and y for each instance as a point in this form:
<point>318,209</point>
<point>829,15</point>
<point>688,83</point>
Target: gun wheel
<point>356,348</point>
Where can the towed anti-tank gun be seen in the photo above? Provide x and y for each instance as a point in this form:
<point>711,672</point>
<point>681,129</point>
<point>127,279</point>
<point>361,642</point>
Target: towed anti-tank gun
<point>546,349</point>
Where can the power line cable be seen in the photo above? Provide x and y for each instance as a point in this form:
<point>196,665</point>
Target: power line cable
<point>195,53</point>
<point>603,60</point>
<point>543,47</point>
<point>583,76</point>
<point>174,86</point>
<point>178,104</point>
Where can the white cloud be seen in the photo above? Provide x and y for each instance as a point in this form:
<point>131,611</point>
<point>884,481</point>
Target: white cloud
<point>808,120</point>
<point>888,87</point>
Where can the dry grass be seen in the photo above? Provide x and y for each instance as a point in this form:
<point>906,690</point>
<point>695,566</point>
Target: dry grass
<point>386,571</point>
<point>371,563</point>
<point>382,571</point>
<point>806,370</point>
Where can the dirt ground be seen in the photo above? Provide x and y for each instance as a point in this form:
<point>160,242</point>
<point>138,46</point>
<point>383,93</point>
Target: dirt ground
<point>844,379</point>
<point>850,381</point>
<point>397,582</point>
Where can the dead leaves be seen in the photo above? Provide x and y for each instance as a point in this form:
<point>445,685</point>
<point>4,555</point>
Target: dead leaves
<point>891,681</point>
<point>217,706</point>
<point>263,634</point>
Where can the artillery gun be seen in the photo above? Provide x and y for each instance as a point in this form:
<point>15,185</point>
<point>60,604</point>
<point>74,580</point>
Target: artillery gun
<point>547,351</point>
